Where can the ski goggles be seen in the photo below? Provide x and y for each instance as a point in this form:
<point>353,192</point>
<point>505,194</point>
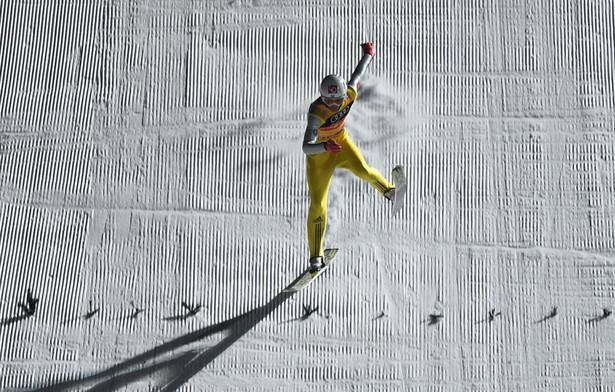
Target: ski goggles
<point>333,101</point>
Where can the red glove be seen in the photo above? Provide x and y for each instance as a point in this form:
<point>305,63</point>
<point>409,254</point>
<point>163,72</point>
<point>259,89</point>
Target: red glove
<point>368,48</point>
<point>333,147</point>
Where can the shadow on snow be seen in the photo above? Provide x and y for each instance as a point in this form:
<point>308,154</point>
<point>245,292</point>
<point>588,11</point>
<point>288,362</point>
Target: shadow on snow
<point>174,372</point>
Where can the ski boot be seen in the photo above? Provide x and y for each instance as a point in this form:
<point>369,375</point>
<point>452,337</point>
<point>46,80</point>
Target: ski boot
<point>390,194</point>
<point>316,263</point>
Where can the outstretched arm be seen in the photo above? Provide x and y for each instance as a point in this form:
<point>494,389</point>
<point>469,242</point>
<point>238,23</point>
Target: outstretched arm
<point>368,54</point>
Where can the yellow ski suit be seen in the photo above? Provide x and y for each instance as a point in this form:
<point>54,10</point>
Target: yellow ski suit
<point>327,125</point>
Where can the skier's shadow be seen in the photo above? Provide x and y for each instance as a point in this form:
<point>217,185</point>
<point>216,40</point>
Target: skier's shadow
<point>173,372</point>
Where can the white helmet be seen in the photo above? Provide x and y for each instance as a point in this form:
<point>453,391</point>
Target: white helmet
<point>332,86</point>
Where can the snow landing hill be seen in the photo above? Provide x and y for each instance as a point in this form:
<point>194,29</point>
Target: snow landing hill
<point>153,197</point>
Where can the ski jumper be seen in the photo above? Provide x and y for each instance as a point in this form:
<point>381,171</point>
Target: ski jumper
<point>324,125</point>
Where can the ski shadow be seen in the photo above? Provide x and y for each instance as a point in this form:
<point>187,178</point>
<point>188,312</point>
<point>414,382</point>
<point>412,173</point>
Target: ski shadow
<point>27,310</point>
<point>171,369</point>
<point>12,320</point>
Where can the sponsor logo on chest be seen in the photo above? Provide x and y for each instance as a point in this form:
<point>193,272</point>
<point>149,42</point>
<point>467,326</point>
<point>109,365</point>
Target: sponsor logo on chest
<point>339,116</point>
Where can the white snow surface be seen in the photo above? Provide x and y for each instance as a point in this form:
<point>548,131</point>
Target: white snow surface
<point>150,154</point>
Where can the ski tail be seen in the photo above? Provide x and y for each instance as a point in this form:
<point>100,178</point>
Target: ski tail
<point>401,184</point>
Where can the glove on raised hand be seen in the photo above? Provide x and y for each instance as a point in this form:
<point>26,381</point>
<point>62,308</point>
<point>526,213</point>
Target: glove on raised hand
<point>368,48</point>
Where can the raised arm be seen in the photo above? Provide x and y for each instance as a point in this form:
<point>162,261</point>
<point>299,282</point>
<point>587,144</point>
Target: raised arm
<point>368,54</point>
<point>311,145</point>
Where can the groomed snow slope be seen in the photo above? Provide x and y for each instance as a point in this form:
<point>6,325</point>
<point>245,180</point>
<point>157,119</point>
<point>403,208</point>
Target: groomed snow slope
<point>150,155</point>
